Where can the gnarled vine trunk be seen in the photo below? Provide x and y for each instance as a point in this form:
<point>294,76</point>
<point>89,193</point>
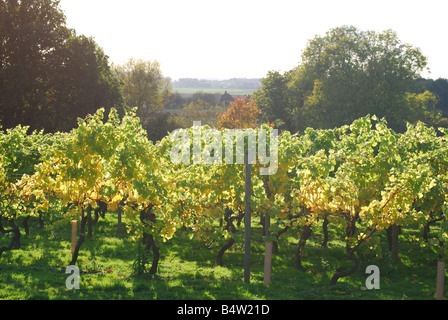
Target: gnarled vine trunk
<point>81,239</point>
<point>306,233</point>
<point>147,217</point>
<point>223,249</point>
<point>392,237</point>
<point>89,223</point>
<point>230,227</point>
<point>350,231</point>
<point>275,243</point>
<point>325,232</point>
<point>344,273</point>
<point>15,240</point>
<point>25,223</point>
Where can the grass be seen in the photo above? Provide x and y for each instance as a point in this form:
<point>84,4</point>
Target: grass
<point>187,269</point>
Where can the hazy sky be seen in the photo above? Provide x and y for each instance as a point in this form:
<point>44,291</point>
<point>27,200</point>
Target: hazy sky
<point>245,38</point>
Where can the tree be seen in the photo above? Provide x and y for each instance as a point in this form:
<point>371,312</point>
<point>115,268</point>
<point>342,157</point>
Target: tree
<point>84,83</point>
<point>422,106</point>
<point>49,76</point>
<point>144,86</point>
<point>347,74</point>
<point>30,33</point>
<point>240,115</point>
<point>272,99</point>
<point>439,87</point>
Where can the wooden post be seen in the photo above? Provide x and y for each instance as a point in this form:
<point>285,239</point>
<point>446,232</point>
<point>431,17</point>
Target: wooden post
<point>247,218</point>
<point>268,244</point>
<point>74,234</point>
<point>267,263</point>
<point>440,280</point>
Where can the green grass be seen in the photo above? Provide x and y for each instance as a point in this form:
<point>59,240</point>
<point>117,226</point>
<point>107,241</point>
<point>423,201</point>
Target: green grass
<point>187,269</point>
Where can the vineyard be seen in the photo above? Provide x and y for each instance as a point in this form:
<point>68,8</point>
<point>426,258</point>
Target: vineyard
<point>362,190</point>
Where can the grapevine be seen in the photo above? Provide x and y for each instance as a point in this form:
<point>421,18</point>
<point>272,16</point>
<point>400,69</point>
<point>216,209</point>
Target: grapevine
<point>363,178</point>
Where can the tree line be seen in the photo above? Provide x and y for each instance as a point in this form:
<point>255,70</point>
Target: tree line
<point>348,73</point>
<point>234,83</point>
<point>50,76</point>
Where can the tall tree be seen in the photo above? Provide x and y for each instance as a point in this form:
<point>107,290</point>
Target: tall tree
<point>49,76</point>
<point>272,99</point>
<point>348,73</point>
<point>145,87</point>
<point>30,33</point>
<point>84,83</point>
<point>440,88</point>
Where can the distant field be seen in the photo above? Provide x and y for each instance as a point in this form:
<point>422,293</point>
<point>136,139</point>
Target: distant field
<point>233,92</point>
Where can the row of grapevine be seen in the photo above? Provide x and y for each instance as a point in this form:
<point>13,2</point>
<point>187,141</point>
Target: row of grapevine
<point>363,178</point>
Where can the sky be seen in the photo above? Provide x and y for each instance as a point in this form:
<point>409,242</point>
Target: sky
<point>215,39</point>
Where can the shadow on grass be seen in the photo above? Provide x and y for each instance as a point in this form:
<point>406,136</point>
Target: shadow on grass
<point>188,270</point>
